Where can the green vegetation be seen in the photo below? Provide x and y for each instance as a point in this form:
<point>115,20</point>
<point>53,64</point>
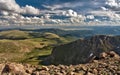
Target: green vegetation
<point>27,46</point>
<point>50,36</point>
<point>14,34</point>
<point>36,56</point>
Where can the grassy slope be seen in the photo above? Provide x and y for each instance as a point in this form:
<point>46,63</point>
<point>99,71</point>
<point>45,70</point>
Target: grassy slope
<point>20,46</point>
<point>14,34</point>
<point>15,49</point>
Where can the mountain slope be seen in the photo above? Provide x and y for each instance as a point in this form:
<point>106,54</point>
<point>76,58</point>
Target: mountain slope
<point>84,50</point>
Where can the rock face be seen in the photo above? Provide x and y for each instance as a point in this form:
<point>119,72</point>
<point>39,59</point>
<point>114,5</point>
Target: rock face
<point>84,50</point>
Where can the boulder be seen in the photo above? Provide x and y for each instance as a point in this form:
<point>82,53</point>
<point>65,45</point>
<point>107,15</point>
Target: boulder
<point>17,69</point>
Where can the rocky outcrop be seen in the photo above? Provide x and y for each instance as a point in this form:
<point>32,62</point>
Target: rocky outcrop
<point>83,50</point>
<point>108,64</point>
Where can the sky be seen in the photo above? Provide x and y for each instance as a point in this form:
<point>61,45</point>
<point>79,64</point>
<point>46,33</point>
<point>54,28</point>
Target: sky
<point>90,9</point>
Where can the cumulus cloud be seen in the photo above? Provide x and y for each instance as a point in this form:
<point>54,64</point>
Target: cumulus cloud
<point>90,17</point>
<point>70,13</point>
<point>30,10</point>
<point>75,10</point>
<point>9,5</point>
<point>113,3</point>
<point>12,6</point>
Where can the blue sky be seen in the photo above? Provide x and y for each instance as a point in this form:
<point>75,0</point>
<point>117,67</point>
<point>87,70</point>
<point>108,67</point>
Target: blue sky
<point>80,6</point>
<point>89,10</point>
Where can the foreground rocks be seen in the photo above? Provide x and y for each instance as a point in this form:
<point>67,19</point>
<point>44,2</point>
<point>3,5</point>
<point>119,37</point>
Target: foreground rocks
<point>107,64</point>
<point>84,50</point>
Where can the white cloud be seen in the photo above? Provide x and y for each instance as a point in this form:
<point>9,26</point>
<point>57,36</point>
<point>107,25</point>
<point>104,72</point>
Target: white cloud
<point>4,13</point>
<point>113,3</point>
<point>63,5</point>
<point>79,11</point>
<point>9,5</point>
<point>104,8</point>
<point>111,14</point>
<point>12,6</point>
<point>70,12</point>
<point>90,16</point>
<point>30,10</point>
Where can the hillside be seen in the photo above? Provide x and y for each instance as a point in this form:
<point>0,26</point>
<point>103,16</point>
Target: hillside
<point>27,46</point>
<point>14,34</point>
<point>91,55</point>
<point>84,50</point>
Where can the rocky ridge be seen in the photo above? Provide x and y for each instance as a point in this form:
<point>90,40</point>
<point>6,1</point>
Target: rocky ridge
<point>107,64</point>
<point>83,50</point>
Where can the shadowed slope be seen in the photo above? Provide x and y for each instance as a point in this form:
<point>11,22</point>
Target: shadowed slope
<point>84,50</point>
